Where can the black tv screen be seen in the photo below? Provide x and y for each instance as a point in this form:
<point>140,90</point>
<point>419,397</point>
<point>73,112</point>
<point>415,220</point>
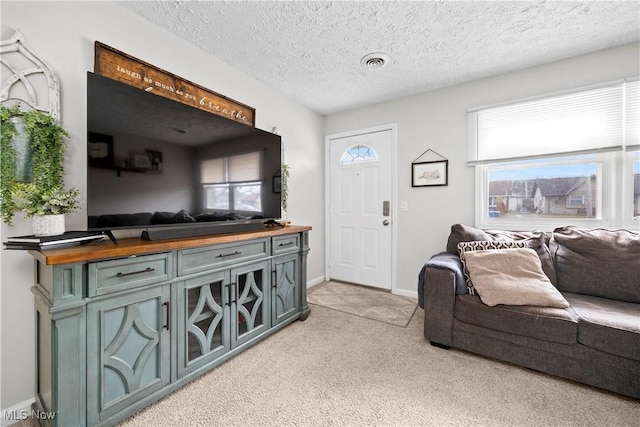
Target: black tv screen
<point>155,162</point>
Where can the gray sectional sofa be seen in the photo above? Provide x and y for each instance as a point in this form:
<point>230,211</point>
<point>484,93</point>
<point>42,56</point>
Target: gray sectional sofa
<point>595,340</point>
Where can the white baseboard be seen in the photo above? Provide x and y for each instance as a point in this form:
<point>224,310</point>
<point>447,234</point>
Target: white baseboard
<point>316,281</point>
<point>16,413</point>
<point>406,293</point>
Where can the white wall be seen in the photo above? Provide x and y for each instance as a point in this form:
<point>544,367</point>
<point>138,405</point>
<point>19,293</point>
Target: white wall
<point>438,120</point>
<point>63,34</point>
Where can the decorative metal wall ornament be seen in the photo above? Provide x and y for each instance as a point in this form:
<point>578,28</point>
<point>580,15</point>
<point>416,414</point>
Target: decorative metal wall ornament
<point>430,173</point>
<point>23,68</point>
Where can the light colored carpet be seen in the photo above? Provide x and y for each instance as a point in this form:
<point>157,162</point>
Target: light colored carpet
<point>365,302</point>
<point>336,369</point>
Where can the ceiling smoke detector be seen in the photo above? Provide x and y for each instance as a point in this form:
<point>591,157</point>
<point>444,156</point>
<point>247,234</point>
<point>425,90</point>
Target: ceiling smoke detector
<point>374,60</point>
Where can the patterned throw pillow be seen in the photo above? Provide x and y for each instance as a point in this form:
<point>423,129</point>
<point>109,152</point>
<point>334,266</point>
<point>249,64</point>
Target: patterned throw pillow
<point>464,247</point>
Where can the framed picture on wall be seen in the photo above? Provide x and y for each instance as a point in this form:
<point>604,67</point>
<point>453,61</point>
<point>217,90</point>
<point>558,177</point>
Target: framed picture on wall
<point>140,161</point>
<point>430,174</point>
<point>156,159</point>
<point>100,149</point>
<point>277,184</point>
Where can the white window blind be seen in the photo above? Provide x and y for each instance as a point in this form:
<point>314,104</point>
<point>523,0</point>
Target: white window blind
<point>585,121</point>
<point>245,167</point>
<point>632,115</point>
<point>239,168</point>
<point>212,170</point>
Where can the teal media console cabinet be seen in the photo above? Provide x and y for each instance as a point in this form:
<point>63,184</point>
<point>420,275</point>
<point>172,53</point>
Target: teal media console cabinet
<point>120,326</point>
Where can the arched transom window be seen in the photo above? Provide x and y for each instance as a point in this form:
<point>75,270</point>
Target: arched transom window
<point>358,153</point>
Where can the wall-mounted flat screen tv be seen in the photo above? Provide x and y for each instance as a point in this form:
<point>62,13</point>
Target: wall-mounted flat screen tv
<point>156,163</point>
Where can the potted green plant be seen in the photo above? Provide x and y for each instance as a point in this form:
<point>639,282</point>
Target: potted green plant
<point>35,142</point>
<point>284,191</point>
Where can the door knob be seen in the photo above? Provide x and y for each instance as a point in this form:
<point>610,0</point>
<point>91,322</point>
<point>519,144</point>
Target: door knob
<point>385,222</point>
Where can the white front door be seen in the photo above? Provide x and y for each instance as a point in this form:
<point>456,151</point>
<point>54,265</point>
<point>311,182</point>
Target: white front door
<point>360,210</point>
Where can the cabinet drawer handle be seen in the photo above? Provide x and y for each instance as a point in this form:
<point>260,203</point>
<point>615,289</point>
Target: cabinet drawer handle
<point>146,270</point>
<point>231,254</point>
<point>287,244</point>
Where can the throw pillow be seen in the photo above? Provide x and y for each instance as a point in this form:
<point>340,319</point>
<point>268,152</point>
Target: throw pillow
<point>512,277</point>
<point>536,240</point>
<point>465,247</point>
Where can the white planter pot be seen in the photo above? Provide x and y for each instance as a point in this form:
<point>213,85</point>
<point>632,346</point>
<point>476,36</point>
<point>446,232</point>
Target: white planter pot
<point>48,225</point>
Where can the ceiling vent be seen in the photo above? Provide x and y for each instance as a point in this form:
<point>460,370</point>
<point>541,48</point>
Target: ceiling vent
<point>374,60</point>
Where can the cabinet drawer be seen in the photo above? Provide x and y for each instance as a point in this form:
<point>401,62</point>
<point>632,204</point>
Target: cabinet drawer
<point>208,258</point>
<point>286,244</point>
<point>116,275</point>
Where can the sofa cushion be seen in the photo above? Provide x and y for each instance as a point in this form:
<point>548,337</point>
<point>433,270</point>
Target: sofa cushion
<point>464,247</point>
<point>607,325</point>
<point>544,323</point>
<point>536,240</point>
<point>602,263</point>
<point>124,220</point>
<point>215,216</point>
<point>512,277</point>
<point>171,217</point>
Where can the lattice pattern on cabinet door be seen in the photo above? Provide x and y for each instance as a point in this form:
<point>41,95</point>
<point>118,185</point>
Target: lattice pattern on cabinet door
<point>205,319</point>
<point>286,287</point>
<point>249,302</point>
<point>129,351</point>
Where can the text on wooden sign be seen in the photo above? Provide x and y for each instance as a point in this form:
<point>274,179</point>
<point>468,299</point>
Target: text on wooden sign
<point>117,65</point>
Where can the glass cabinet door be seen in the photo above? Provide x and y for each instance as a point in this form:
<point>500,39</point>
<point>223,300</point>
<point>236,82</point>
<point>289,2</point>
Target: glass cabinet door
<point>203,331</point>
<point>250,296</point>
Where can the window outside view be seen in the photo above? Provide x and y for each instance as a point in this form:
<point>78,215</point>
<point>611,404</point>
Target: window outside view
<point>216,196</point>
<point>552,190</point>
<point>246,197</point>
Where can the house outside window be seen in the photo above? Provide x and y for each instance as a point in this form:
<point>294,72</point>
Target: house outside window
<point>570,158</point>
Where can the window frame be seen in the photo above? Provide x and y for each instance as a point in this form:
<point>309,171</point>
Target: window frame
<point>574,196</point>
<point>605,194</point>
<point>230,186</point>
<point>628,221</point>
<point>615,192</point>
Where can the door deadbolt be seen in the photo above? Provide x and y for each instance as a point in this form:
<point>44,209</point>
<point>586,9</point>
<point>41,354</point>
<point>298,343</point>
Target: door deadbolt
<point>385,222</point>
<point>385,208</point>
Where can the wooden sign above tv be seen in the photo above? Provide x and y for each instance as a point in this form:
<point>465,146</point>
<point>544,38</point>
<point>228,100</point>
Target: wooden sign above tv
<point>119,66</point>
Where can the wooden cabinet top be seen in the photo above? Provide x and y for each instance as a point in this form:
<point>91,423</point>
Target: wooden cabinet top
<point>136,246</point>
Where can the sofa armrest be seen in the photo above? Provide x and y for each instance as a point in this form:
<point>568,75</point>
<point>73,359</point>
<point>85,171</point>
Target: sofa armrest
<point>443,280</point>
<point>452,263</point>
<point>445,261</point>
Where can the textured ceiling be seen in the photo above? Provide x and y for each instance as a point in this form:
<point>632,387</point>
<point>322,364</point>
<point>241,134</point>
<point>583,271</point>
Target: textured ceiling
<point>311,50</point>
